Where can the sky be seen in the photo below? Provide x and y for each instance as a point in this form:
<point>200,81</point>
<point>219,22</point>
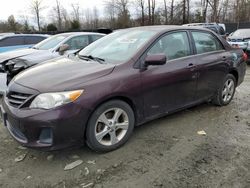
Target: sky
<point>20,8</point>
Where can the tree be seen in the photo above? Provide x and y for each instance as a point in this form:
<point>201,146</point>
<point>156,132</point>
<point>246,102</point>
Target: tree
<point>76,12</point>
<point>172,12</point>
<point>58,11</point>
<point>36,8</point>
<point>12,24</point>
<point>165,14</point>
<point>75,25</point>
<point>140,4</point>
<point>51,27</point>
<point>95,17</point>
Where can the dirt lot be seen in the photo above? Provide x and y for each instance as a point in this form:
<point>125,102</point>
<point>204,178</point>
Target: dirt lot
<point>163,153</point>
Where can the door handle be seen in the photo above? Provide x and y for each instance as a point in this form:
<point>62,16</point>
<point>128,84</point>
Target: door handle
<point>224,58</point>
<point>190,65</point>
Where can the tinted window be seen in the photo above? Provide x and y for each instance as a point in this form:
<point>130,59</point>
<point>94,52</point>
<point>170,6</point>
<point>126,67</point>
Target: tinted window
<point>33,39</point>
<point>96,37</point>
<point>12,41</point>
<point>206,42</point>
<point>175,45</point>
<point>78,42</point>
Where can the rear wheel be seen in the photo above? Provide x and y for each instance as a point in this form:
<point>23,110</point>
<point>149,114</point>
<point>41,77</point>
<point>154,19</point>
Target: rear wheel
<point>226,92</point>
<point>110,126</point>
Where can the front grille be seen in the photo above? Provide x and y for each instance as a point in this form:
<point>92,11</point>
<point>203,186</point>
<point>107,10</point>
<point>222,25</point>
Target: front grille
<point>17,99</point>
<point>236,40</point>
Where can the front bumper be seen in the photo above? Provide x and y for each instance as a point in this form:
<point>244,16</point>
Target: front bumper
<point>48,129</point>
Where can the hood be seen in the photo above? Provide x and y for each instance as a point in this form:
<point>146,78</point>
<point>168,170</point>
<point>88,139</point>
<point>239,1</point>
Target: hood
<point>37,57</point>
<point>61,74</point>
<point>16,53</point>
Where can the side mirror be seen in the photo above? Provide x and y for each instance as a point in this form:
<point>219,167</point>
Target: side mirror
<point>155,59</point>
<point>63,48</point>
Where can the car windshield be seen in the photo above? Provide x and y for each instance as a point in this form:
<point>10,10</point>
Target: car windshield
<point>50,42</point>
<point>242,33</point>
<point>119,46</point>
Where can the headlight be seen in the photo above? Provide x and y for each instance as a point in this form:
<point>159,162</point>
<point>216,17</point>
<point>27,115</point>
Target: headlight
<point>52,100</point>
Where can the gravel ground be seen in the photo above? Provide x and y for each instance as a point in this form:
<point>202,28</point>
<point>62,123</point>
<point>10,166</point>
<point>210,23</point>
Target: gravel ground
<point>166,152</point>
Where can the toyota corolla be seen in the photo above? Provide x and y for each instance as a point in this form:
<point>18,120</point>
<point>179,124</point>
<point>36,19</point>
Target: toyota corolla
<point>125,79</point>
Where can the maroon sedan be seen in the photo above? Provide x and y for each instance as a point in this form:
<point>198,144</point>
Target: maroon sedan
<point>124,79</point>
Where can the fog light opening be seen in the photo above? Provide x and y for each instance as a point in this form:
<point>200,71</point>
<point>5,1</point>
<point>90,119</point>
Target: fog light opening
<point>46,136</point>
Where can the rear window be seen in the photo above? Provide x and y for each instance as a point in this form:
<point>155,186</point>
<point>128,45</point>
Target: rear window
<point>12,41</point>
<point>33,39</point>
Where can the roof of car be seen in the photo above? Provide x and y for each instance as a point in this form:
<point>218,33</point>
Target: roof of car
<point>79,33</point>
<point>18,35</point>
<point>163,28</point>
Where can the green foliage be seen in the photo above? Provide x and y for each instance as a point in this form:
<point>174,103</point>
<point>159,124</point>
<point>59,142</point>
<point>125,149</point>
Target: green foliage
<point>75,24</point>
<point>51,27</point>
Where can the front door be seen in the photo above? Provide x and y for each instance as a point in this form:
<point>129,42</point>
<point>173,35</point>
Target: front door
<point>173,85</point>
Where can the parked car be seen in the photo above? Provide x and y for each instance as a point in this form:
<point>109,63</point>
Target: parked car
<point>9,42</point>
<point>220,29</point>
<point>124,79</point>
<point>14,62</point>
<point>241,39</point>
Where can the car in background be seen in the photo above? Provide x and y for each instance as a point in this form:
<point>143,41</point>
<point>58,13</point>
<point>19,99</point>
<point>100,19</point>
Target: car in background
<point>125,79</point>
<point>2,34</point>
<point>220,29</point>
<point>240,39</point>
<point>16,61</point>
<point>9,42</point>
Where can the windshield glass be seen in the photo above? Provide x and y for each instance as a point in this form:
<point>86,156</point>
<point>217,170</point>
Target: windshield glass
<point>242,33</point>
<point>119,46</point>
<point>50,42</point>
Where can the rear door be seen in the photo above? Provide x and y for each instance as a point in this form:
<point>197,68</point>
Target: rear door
<point>173,85</point>
<point>211,60</point>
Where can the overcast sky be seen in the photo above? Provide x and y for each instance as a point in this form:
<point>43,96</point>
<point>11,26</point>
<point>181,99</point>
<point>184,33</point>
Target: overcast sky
<point>21,7</point>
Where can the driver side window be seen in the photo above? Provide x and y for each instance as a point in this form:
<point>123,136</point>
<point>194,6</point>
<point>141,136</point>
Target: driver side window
<point>78,42</point>
<point>174,45</point>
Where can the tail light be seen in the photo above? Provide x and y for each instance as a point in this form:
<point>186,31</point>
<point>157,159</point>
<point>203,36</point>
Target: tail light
<point>245,57</point>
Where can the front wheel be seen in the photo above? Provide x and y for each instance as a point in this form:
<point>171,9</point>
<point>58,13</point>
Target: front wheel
<point>110,126</point>
<point>226,91</point>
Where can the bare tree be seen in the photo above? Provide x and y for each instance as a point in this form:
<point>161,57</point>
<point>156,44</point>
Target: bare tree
<point>95,18</point>
<point>149,12</point>
<point>36,8</point>
<point>141,5</point>
<point>172,12</point>
<point>76,12</point>
<point>58,10</point>
<point>165,12</point>
<point>111,12</point>
<point>153,11</point>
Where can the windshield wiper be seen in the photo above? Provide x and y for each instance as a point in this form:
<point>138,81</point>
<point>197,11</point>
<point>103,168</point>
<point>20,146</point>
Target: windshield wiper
<point>90,57</point>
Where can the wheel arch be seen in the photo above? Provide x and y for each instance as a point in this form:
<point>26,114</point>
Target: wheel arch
<point>235,74</point>
<point>125,99</point>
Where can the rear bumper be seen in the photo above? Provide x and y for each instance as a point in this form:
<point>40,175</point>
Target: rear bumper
<point>48,130</point>
<point>241,72</point>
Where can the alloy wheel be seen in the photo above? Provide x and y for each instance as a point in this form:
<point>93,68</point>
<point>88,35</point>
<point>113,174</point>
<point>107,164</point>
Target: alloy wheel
<point>111,126</point>
<point>228,90</point>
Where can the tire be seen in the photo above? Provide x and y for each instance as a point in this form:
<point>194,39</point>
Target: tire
<point>110,126</point>
<point>225,94</point>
